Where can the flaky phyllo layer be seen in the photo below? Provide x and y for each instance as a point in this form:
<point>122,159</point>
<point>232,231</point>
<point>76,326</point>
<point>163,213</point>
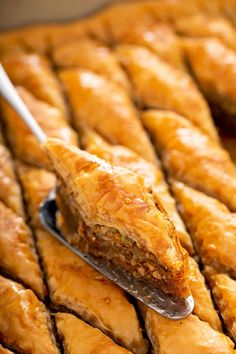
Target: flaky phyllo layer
<point>116,217</point>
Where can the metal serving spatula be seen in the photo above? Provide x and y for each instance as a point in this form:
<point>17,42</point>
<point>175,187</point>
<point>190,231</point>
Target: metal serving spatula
<point>168,306</point>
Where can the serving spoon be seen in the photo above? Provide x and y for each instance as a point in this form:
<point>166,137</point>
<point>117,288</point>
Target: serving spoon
<point>166,305</point>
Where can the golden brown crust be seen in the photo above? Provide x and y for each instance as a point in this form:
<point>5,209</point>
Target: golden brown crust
<point>17,254</point>
<point>74,285</point>
<point>24,321</point>
<point>34,73</point>
<point>79,337</point>
<point>224,290</point>
<point>192,157</point>
<point>10,193</point>
<point>212,227</point>
<point>36,184</point>
<point>203,306</point>
<point>107,108</point>
<point>159,85</point>
<point>158,37</point>
<point>117,198</point>
<point>184,336</point>
<point>119,155</point>
<point>92,55</point>
<point>50,119</point>
<point>207,56</point>
<point>202,25</point>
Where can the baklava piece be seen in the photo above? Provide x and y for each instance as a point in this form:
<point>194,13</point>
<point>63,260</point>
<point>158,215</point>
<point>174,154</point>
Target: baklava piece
<point>25,324</point>
<point>105,107</point>
<point>34,73</point>
<point>214,67</point>
<point>37,183</point>
<point>119,155</point>
<point>189,335</point>
<point>89,54</point>
<point>203,305</point>
<point>192,157</point>
<point>17,253</point>
<point>79,337</point>
<point>203,26</point>
<point>159,85</point>
<point>117,218</point>
<point>73,284</point>
<point>77,287</point>
<point>224,292</point>
<point>10,193</point>
<point>24,144</point>
<point>212,226</point>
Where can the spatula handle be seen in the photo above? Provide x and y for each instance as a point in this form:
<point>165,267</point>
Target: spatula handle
<point>9,93</point>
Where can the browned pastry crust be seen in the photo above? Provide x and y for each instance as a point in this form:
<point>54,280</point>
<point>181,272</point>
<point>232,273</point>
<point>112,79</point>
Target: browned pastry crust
<point>224,290</point>
<point>212,226</point>
<point>189,335</point>
<point>10,193</point>
<point>159,37</point>
<point>116,215</point>
<point>207,56</point>
<point>192,157</point>
<point>79,337</point>
<point>159,85</point>
<point>203,306</point>
<point>17,254</point>
<point>24,321</point>
<point>119,155</point>
<point>76,286</point>
<point>107,108</point>
<point>92,55</point>
<point>51,120</point>
<point>203,25</point>
<point>34,73</point>
<point>36,184</point>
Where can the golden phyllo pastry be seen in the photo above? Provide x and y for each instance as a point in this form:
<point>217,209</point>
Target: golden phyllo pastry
<point>24,321</point>
<point>10,193</point>
<point>17,253</point>
<point>34,73</point>
<point>119,155</point>
<point>77,287</point>
<point>214,66</point>
<point>189,335</point>
<point>224,292</point>
<point>159,85</point>
<point>24,144</point>
<point>192,157</point>
<point>89,54</point>
<point>202,25</point>
<point>116,217</point>
<point>203,305</point>
<point>158,37</point>
<point>79,337</point>
<point>36,184</point>
<point>212,226</point>
<point>105,107</point>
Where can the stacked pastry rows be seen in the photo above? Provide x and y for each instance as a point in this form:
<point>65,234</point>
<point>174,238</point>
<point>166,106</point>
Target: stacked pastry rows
<point>119,78</point>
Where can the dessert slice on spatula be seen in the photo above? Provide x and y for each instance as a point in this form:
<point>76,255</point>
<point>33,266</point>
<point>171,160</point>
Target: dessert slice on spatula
<point>112,221</point>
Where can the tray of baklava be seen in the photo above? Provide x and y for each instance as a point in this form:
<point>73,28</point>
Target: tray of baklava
<point>140,102</point>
